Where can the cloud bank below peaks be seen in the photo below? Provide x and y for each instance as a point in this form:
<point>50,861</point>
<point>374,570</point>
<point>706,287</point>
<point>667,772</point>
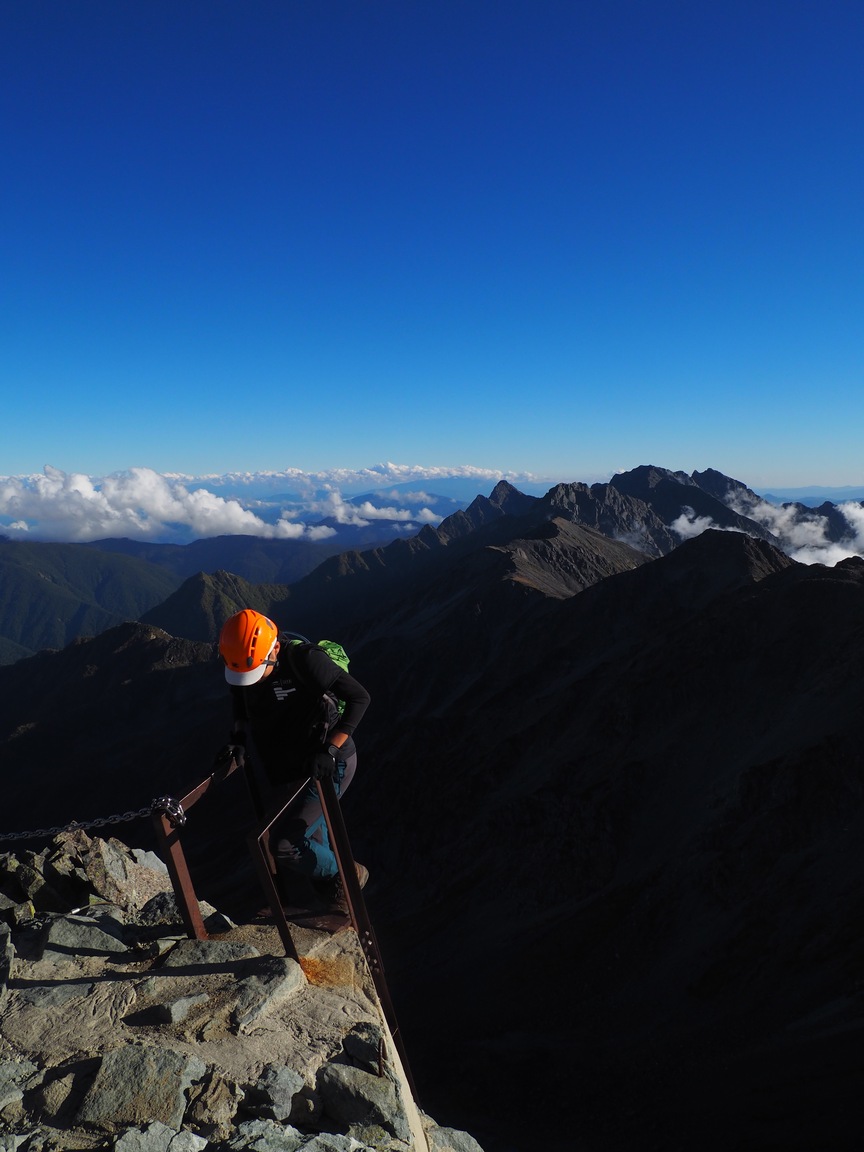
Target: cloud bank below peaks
<point>142,504</point>
<point>804,534</point>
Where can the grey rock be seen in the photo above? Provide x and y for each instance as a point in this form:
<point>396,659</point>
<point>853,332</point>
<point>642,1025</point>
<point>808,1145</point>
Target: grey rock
<point>216,922</point>
<point>65,874</point>
<point>110,918</point>
<point>266,1136</point>
<point>10,1142</point>
<point>107,867</point>
<point>147,1096</point>
<point>15,1072</point>
<point>373,1136</point>
<point>206,954</point>
<point>163,909</point>
<point>56,1096</point>
<point>450,1140</point>
<point>335,1142</point>
<point>275,980</point>
<point>136,1085</point>
<point>273,1096</point>
<point>14,1078</point>
<point>213,1106</point>
<point>149,860</point>
<point>354,1097</point>
<point>158,1137</point>
<point>116,874</point>
<point>175,1011</point>
<point>7,955</point>
<point>160,909</point>
<point>364,1044</point>
<point>37,890</point>
<point>79,935</point>
<point>15,912</point>
<point>53,995</point>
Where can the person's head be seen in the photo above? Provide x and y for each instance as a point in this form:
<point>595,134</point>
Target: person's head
<point>248,644</point>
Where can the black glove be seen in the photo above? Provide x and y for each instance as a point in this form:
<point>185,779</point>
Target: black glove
<point>323,764</point>
<point>226,754</point>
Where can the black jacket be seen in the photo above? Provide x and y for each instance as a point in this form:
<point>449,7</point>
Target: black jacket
<point>291,712</point>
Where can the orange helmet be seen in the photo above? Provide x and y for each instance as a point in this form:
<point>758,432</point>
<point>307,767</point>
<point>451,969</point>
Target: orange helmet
<point>246,644</point>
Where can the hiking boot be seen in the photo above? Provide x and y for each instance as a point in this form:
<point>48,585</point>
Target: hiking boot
<point>296,890</point>
<point>335,889</point>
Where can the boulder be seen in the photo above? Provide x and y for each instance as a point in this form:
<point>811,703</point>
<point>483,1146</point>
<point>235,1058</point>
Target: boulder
<point>273,1096</point>
<point>450,1140</point>
<point>136,1085</point>
<point>81,936</point>
<point>276,979</point>
<point>352,1097</point>
<point>158,1137</point>
<point>7,954</point>
<point>213,1106</point>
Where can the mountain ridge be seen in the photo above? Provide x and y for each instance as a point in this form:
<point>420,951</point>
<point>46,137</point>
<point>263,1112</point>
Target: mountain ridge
<point>613,786</point>
<point>651,509</point>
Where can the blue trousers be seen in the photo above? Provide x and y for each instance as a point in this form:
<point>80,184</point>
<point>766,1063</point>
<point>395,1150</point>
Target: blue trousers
<point>301,840</point>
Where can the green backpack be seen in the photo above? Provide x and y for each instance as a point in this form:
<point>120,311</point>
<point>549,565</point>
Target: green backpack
<point>333,649</point>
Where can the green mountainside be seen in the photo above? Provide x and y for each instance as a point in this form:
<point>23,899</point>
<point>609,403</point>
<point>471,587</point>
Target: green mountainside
<point>202,604</point>
<point>50,594</point>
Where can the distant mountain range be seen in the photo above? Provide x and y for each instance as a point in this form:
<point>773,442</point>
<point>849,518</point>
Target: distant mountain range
<point>814,496</point>
<point>52,593</point>
<point>610,797</point>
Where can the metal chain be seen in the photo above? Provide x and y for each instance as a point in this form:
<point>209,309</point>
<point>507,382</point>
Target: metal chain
<point>166,804</point>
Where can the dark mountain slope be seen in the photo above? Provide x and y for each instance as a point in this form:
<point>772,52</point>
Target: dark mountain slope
<point>51,593</point>
<point>253,558</point>
<point>364,596</point>
<point>559,558</point>
<point>199,608</point>
<point>650,814</point>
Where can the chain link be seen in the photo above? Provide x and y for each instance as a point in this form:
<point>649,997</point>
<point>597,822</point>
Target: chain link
<point>172,809</point>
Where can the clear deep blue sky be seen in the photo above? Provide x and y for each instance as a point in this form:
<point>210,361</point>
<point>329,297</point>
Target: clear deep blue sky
<point>561,236</point>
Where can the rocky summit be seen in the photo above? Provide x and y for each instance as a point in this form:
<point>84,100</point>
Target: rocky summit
<point>119,1032</point>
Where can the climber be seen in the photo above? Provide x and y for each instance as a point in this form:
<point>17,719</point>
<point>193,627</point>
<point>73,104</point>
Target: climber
<point>285,696</point>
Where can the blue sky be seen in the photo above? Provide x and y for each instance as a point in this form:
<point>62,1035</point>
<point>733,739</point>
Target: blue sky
<point>561,237</point>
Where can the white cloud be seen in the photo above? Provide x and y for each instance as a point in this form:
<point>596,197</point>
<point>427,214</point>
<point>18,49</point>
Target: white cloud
<point>139,503</point>
<point>360,515</point>
<point>353,480</point>
<point>803,535</point>
<point>147,505</point>
<point>689,525</point>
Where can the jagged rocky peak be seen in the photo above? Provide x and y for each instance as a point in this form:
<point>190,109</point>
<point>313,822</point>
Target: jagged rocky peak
<point>505,500</point>
<point>510,500</point>
<point>723,487</point>
<point>640,481</point>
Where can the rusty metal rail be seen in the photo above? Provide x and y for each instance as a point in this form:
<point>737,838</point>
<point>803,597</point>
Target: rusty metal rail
<point>169,816</point>
<point>168,822</point>
<point>360,916</point>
